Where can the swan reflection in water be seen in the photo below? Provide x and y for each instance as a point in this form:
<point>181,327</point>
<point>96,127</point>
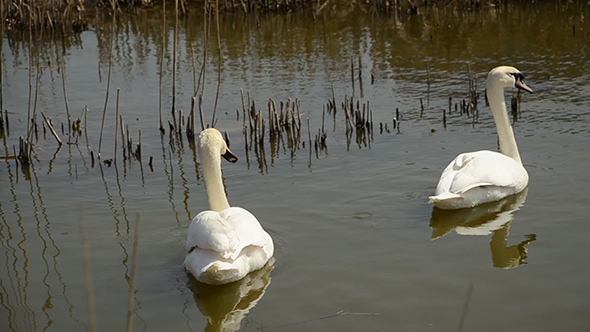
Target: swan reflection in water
<point>225,306</point>
<point>491,218</point>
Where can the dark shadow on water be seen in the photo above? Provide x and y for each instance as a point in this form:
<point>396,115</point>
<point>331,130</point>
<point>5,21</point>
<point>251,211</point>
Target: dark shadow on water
<point>491,218</point>
<point>226,306</point>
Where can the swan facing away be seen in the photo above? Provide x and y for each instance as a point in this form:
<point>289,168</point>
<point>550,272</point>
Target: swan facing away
<point>484,176</point>
<point>226,243</point>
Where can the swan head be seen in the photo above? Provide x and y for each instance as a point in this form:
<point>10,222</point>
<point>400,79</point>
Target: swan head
<point>212,141</point>
<point>507,77</point>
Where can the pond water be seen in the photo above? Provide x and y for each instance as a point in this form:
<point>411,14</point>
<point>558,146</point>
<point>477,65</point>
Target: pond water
<point>357,246</point>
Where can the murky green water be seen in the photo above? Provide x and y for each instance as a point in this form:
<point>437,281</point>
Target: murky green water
<point>352,227</point>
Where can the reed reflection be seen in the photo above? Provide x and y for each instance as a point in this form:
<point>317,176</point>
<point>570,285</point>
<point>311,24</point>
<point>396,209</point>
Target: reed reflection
<point>492,218</point>
<point>227,305</point>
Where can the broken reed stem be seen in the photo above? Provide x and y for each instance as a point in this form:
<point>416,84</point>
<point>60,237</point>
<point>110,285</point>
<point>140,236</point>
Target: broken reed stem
<point>51,129</point>
<point>86,122</point>
<point>30,70</point>
<point>174,59</point>
<point>205,37</point>
<point>63,81</point>
<point>106,99</point>
<point>193,116</point>
<point>164,33</point>
<point>219,62</point>
<point>352,73</point>
<point>309,134</point>
<point>87,271</point>
<point>201,111</point>
<point>34,117</point>
<point>116,125</point>
<point>122,124</point>
<point>133,275</point>
<point>2,67</point>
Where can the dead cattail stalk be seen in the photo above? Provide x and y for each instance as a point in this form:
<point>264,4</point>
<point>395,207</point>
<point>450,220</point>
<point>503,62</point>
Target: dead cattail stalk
<point>164,33</point>
<point>116,125</point>
<point>30,68</point>
<point>86,122</point>
<point>192,117</point>
<point>174,60</point>
<point>51,129</point>
<point>352,73</point>
<point>201,111</point>
<point>122,124</point>
<point>33,119</point>
<point>421,108</point>
<point>361,76</point>
<point>63,80</point>
<point>2,68</point>
<point>333,99</point>
<point>87,271</point>
<point>205,43</point>
<point>219,61</point>
<point>106,99</point>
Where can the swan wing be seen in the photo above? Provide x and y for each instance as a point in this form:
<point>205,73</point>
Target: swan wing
<point>226,232</point>
<point>477,169</point>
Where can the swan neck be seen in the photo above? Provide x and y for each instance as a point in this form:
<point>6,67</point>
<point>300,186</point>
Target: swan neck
<point>497,102</point>
<point>211,164</point>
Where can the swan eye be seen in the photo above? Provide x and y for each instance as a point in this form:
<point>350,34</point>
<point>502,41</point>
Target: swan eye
<point>518,76</point>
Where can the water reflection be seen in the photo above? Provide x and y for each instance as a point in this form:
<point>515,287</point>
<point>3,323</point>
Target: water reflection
<point>492,218</point>
<point>227,305</point>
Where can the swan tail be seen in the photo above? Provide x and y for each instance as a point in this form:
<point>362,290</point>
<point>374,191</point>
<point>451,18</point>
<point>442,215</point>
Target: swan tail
<point>444,200</point>
<point>219,273</point>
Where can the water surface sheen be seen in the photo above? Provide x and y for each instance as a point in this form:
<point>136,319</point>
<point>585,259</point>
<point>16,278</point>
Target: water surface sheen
<point>353,231</point>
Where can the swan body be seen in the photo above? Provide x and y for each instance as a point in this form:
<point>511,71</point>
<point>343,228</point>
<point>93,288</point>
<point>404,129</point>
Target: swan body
<point>484,176</point>
<point>225,243</point>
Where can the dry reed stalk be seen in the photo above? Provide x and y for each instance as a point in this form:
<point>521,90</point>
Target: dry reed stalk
<point>2,67</point>
<point>106,99</point>
<point>87,270</point>
<point>361,76</point>
<point>243,109</point>
<point>122,125</point>
<point>193,61</point>
<point>63,80</point>
<point>51,129</point>
<point>333,99</point>
<point>352,73</point>
<point>138,151</point>
<point>86,122</point>
<point>219,61</point>
<point>193,117</point>
<point>133,275</point>
<point>174,60</point>
<point>30,70</point>
<point>162,131</point>
<point>421,108</point>
<point>38,78</point>
<point>205,37</point>
<point>201,112</point>
<point>116,125</point>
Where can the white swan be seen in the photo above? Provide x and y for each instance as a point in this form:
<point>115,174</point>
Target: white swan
<point>485,176</point>
<point>227,243</point>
